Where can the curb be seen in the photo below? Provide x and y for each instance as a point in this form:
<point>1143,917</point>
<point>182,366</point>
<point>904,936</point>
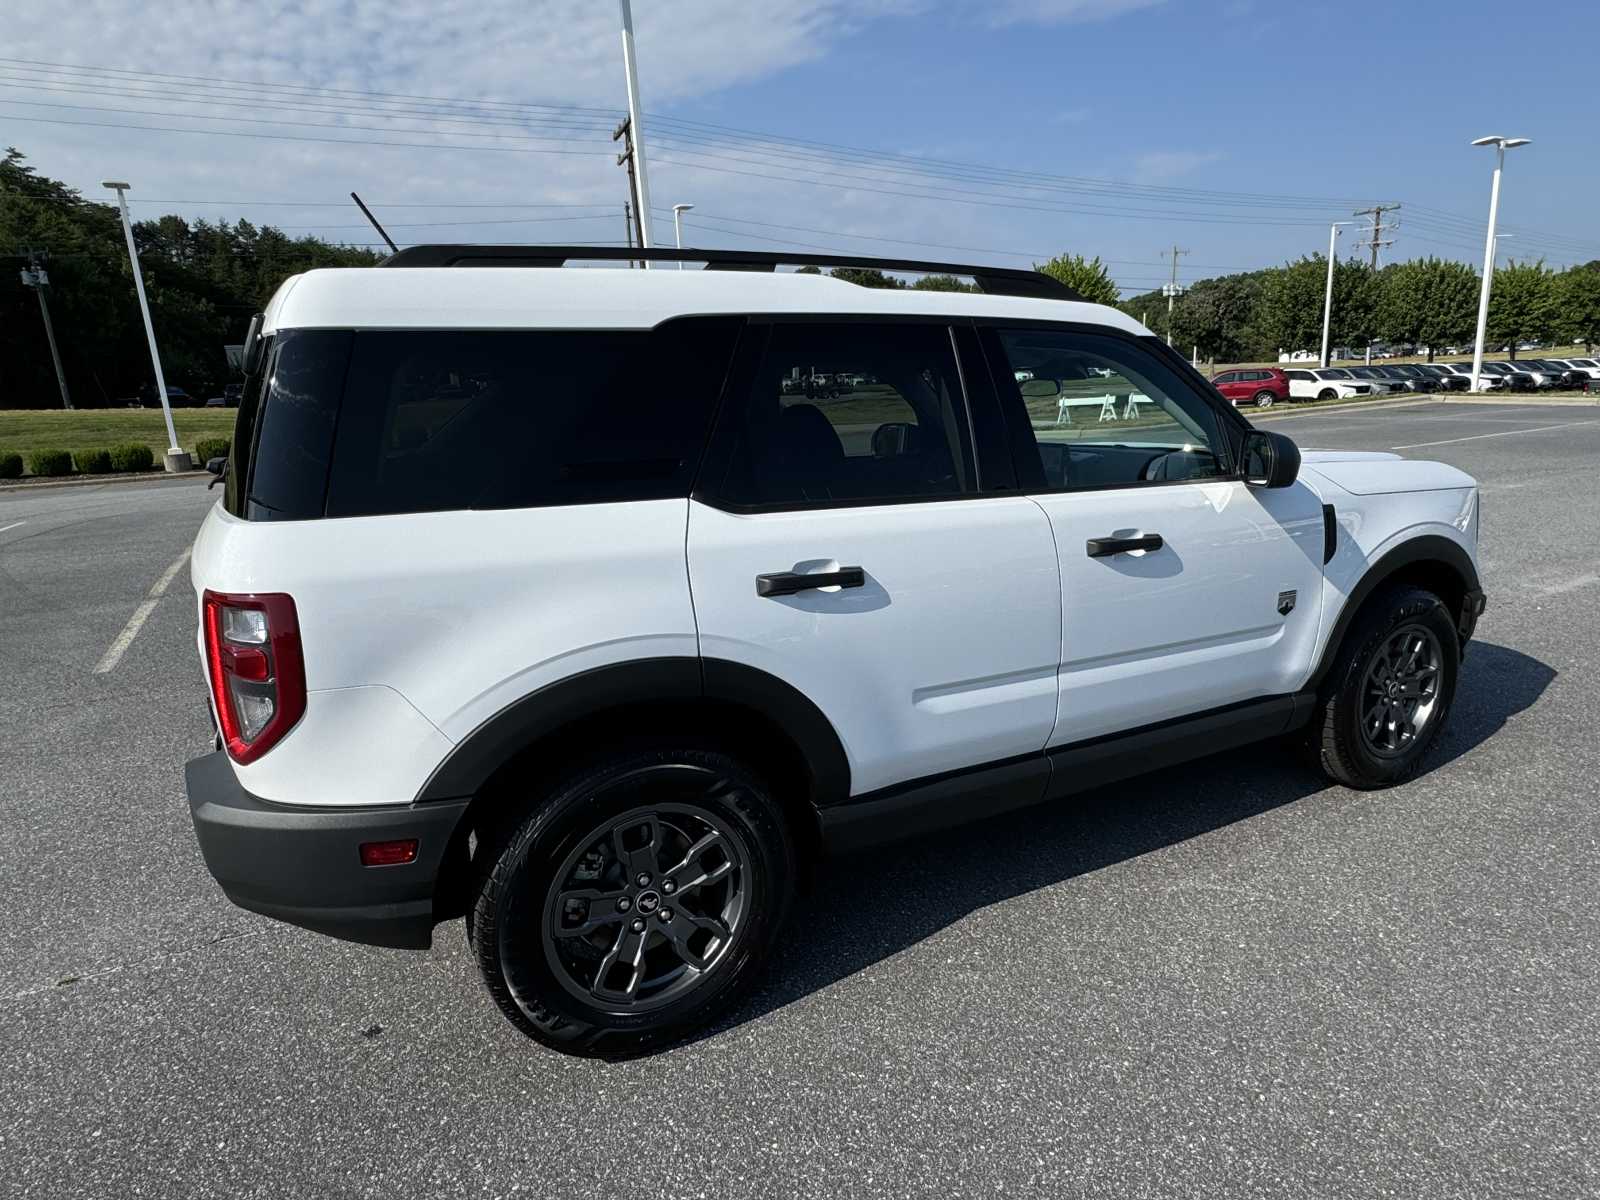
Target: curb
<point>45,485</point>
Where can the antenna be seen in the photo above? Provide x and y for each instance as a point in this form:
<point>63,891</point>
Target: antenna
<point>367,212</point>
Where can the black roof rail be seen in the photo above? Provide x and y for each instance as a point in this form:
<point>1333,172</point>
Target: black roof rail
<point>994,281</point>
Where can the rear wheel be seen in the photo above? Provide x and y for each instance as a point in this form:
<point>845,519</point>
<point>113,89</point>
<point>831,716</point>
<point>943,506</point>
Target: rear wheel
<point>635,902</point>
<point>1390,690</point>
<point>1264,399</point>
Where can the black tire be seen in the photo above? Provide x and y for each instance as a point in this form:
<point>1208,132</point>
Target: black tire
<point>1264,399</point>
<point>1358,732</point>
<point>544,971</point>
<point>1327,394</point>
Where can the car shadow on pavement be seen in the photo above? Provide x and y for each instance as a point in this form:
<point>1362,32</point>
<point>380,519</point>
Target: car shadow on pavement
<point>865,907</point>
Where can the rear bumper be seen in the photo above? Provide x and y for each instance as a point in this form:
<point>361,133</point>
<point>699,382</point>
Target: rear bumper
<point>303,865</point>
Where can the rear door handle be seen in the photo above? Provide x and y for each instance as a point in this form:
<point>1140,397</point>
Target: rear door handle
<point>786,583</point>
<point>1105,546</point>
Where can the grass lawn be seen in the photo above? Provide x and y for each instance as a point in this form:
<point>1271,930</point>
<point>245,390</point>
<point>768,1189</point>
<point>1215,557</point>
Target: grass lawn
<point>23,430</point>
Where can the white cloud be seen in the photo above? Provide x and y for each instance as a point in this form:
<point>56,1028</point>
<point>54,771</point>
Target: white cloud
<point>1161,165</point>
<point>559,52</point>
<point>1060,12</point>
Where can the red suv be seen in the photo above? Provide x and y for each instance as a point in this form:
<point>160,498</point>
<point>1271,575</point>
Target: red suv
<point>1261,386</point>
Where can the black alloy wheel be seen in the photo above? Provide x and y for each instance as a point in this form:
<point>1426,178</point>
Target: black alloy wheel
<point>644,906</point>
<point>1388,694</point>
<point>635,900</point>
<point>1400,693</point>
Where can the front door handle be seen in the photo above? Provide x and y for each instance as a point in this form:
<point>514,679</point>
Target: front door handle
<point>787,583</point>
<point>1105,546</point>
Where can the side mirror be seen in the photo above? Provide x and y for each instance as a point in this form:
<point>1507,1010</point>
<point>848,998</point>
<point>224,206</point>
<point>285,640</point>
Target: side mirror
<point>894,438</point>
<point>1270,459</point>
<point>219,468</point>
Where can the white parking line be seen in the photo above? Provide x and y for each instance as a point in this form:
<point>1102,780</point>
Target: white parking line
<point>1502,433</point>
<point>13,525</point>
<point>141,614</point>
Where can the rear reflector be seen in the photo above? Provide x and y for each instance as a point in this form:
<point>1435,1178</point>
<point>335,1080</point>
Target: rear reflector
<point>388,854</point>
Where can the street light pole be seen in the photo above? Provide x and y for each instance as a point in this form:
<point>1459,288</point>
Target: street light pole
<point>176,460</point>
<point>630,68</point>
<point>1501,145</point>
<point>677,224</point>
<point>1327,298</point>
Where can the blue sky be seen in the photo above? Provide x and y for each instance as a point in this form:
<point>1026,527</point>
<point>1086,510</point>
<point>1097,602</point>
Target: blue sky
<point>1236,128</point>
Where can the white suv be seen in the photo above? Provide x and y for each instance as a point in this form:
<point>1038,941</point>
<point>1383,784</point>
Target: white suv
<point>537,597</point>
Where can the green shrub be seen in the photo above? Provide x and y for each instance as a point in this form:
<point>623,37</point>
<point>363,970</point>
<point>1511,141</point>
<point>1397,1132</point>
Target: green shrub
<point>208,448</point>
<point>10,466</point>
<point>93,462</point>
<point>50,462</point>
<point>132,456</point>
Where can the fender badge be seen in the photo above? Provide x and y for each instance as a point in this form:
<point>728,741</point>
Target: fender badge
<point>1285,603</point>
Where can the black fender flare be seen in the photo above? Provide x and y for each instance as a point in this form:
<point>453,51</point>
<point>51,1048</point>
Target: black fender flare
<point>474,760</point>
<point>1429,548</point>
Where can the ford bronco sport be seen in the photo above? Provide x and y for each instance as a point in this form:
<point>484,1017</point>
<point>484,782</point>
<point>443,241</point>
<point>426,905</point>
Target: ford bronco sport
<point>541,596</point>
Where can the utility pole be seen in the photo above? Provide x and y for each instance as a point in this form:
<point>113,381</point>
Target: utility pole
<point>1171,290</point>
<point>624,133</point>
<point>35,276</point>
<point>1376,242</point>
<point>627,226</point>
<point>641,194</point>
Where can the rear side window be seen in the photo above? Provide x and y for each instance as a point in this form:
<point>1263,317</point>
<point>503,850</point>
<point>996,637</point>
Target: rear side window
<point>437,420</point>
<point>847,413</point>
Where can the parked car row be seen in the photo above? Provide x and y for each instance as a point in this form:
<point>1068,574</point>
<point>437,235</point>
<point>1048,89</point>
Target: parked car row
<point>1265,386</point>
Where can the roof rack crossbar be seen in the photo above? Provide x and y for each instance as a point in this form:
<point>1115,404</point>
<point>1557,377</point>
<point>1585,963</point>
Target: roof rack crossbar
<point>994,281</point>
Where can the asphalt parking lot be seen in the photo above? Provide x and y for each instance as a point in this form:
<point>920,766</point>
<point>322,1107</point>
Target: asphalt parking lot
<point>1225,979</point>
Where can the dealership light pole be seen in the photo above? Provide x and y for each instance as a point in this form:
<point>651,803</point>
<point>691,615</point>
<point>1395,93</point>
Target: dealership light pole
<point>677,224</point>
<point>630,68</point>
<point>176,460</point>
<point>1327,298</point>
<point>1501,145</point>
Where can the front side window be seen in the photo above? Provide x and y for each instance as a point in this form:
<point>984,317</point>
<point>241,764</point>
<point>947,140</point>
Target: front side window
<point>837,413</point>
<point>1107,412</point>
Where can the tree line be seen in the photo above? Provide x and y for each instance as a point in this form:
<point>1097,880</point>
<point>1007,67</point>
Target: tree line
<point>206,279</point>
<point>1428,302</point>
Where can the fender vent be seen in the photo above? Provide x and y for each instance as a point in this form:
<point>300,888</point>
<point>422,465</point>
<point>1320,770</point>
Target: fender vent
<point>1330,534</point>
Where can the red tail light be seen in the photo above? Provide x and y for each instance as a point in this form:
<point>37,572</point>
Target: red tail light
<point>257,672</point>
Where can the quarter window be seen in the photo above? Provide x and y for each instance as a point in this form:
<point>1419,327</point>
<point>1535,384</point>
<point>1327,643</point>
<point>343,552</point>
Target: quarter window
<point>440,419</point>
<point>1106,412</point>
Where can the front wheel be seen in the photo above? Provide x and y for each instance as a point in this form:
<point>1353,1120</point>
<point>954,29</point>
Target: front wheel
<point>1264,399</point>
<point>1327,394</point>
<point>635,902</point>
<point>1390,690</point>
